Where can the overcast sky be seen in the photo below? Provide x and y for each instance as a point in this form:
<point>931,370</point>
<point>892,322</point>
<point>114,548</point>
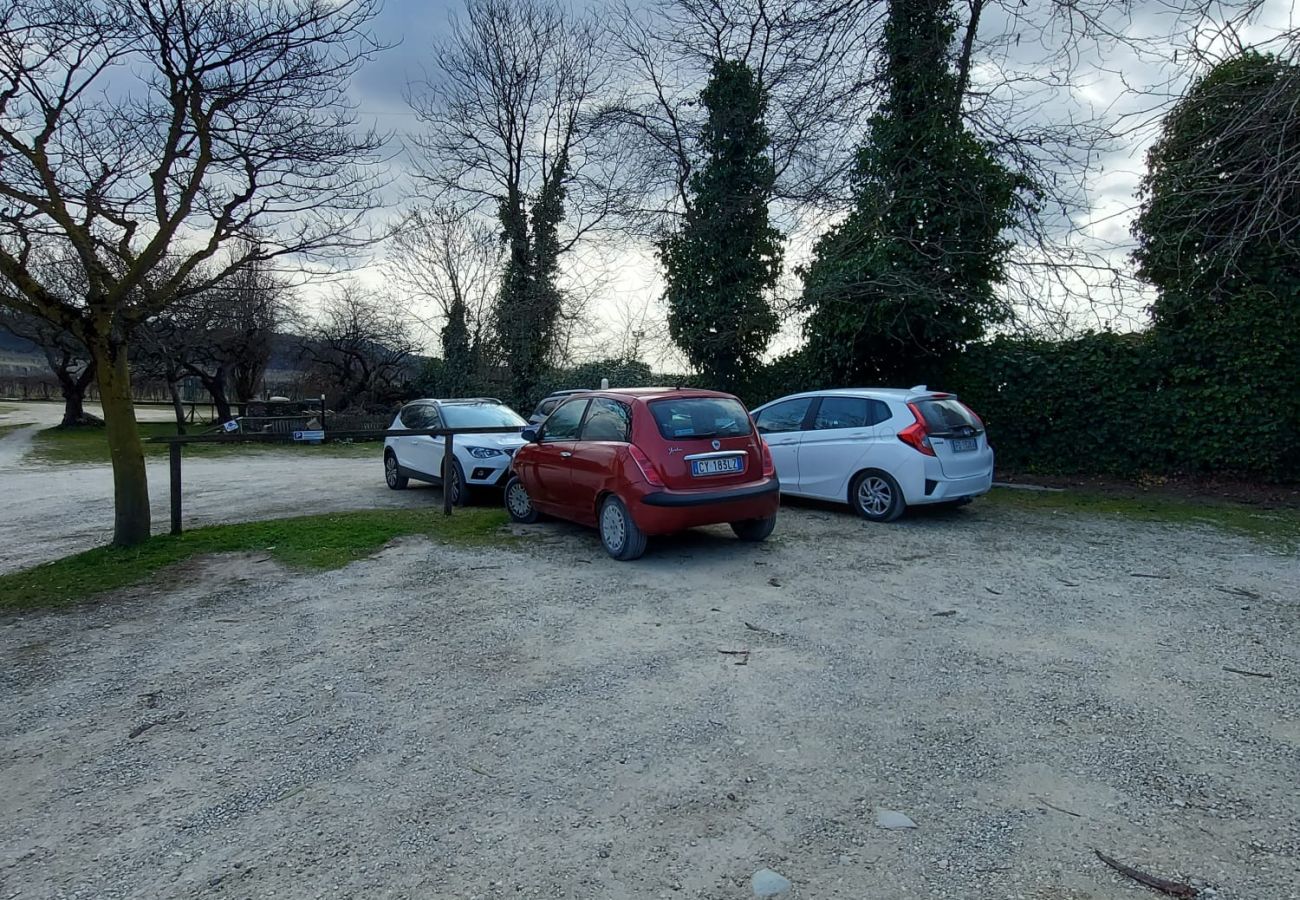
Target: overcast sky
<point>1110,81</point>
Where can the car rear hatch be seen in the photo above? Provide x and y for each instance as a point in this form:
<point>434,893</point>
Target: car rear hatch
<point>956,435</point>
<point>704,443</point>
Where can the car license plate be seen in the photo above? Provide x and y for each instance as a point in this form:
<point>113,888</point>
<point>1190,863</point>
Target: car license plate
<point>963,445</point>
<point>722,465</point>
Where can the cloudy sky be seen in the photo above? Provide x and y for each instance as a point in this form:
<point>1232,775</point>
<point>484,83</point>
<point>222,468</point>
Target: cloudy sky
<point>1120,76</point>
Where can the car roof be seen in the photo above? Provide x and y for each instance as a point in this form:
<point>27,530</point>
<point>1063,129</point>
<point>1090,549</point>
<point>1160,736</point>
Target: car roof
<point>657,393</point>
<point>449,401</point>
<point>920,391</point>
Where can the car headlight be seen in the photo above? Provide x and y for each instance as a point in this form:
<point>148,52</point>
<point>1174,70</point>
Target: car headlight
<point>483,452</point>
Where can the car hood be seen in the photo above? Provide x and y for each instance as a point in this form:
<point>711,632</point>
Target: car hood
<point>499,441</point>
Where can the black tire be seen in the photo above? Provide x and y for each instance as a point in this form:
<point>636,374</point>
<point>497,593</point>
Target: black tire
<point>754,530</point>
<point>618,533</point>
<point>393,473</point>
<point>459,489</point>
<point>518,504</point>
<point>876,497</point>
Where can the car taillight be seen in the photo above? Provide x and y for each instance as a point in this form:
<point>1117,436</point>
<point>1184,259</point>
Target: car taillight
<point>648,470</point>
<point>769,467</point>
<point>916,435</point>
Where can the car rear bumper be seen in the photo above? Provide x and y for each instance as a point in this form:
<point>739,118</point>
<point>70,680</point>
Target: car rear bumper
<point>663,511</point>
<point>956,488</point>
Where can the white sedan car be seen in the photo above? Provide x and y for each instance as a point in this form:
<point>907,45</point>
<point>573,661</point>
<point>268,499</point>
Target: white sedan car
<point>879,449</point>
<point>480,460</point>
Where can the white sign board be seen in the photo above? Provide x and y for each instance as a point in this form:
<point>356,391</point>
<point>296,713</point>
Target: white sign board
<point>232,425</point>
<point>309,435</point>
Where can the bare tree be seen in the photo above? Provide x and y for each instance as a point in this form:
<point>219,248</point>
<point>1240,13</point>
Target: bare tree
<point>811,57</point>
<point>139,132</point>
<point>509,136</point>
<point>453,262</point>
<point>66,357</point>
<point>362,346</point>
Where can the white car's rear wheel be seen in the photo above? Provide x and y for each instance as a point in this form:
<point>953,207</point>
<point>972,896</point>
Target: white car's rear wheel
<point>875,496</point>
<point>393,473</point>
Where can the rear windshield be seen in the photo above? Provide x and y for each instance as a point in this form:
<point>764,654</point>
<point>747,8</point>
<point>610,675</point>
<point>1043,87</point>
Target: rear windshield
<point>480,415</point>
<point>700,417</point>
<point>943,416</point>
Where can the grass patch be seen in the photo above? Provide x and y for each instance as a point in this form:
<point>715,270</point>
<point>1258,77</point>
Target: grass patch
<point>1279,527</point>
<point>87,444</point>
<point>306,542</point>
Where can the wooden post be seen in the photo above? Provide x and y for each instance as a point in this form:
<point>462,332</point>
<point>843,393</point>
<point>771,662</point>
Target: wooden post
<point>174,452</point>
<point>448,473</point>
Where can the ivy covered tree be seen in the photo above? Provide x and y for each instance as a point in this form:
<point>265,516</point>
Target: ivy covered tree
<point>909,278</point>
<point>1220,201</point>
<point>1219,237</point>
<point>722,265</point>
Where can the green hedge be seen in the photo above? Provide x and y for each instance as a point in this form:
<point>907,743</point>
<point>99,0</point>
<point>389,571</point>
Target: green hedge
<point>1220,401</point>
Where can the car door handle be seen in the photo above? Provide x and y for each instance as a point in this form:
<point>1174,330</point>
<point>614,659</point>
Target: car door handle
<point>565,454</point>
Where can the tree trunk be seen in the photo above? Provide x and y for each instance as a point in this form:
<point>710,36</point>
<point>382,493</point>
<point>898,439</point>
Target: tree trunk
<point>173,388</point>
<point>74,400</point>
<point>131,523</point>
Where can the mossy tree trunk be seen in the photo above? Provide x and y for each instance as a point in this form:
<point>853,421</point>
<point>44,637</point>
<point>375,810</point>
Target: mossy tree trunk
<point>131,522</point>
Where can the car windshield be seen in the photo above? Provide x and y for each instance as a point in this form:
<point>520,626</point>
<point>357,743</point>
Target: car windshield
<point>943,416</point>
<point>700,417</point>
<point>480,415</point>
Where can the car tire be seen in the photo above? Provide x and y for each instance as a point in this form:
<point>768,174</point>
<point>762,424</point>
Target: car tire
<point>393,473</point>
<point>618,533</point>
<point>876,496</point>
<point>518,504</point>
<point>459,489</point>
<point>754,530</point>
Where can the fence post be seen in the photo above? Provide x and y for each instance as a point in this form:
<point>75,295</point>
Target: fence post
<point>322,412</point>
<point>448,473</point>
<point>174,452</point>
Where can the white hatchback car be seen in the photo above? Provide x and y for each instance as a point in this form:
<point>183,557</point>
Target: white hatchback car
<point>880,449</point>
<point>480,460</point>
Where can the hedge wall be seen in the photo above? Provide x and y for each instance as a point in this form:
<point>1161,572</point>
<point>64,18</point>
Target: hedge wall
<point>1221,401</point>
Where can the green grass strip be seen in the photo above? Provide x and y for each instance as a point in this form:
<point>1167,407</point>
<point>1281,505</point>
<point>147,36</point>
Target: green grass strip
<point>1277,527</point>
<point>308,543</point>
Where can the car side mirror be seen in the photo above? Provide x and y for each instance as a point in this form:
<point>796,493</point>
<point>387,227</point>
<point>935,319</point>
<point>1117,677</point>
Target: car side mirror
<point>531,434</point>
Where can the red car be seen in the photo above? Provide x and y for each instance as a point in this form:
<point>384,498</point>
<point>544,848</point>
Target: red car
<point>642,461</point>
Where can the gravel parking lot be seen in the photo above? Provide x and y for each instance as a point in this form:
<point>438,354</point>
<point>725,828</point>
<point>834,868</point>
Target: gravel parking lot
<point>540,721</point>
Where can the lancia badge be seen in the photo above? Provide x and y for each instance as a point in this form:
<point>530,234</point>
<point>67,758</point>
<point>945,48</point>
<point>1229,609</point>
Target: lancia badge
<point>716,443</point>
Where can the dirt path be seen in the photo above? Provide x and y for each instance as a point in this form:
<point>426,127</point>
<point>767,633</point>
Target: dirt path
<point>544,722</point>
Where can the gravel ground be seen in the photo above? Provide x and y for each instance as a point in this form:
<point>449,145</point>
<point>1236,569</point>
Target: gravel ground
<point>544,722</point>
<point>49,511</point>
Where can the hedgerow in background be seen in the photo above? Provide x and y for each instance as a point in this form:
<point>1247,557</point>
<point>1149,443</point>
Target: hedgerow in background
<point>908,279</point>
<point>1091,404</point>
<point>723,263</point>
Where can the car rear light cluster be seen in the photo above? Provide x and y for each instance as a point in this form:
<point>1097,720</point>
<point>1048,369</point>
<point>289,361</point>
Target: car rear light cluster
<point>648,470</point>
<point>916,435</point>
<point>769,467</point>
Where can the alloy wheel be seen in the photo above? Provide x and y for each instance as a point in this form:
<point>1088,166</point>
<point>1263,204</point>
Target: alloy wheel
<point>390,470</point>
<point>875,495</point>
